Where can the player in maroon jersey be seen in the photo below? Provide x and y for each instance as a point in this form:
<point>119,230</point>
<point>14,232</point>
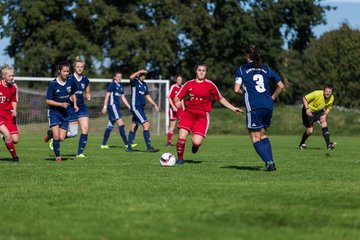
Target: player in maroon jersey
<point>195,118</point>
<point>8,107</point>
<point>174,112</point>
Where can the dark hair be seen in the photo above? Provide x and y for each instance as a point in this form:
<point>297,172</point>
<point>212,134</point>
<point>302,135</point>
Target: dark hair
<point>253,53</point>
<point>117,72</point>
<point>200,64</point>
<point>63,64</point>
<point>328,86</point>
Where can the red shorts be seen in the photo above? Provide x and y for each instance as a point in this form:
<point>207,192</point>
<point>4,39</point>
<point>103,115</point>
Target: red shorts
<point>10,122</point>
<point>197,121</point>
<point>175,115</point>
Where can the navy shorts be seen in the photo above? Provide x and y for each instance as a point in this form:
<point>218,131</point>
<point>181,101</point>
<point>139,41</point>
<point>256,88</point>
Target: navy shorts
<point>60,118</point>
<point>139,116</point>
<point>114,113</point>
<point>258,119</point>
<point>74,116</point>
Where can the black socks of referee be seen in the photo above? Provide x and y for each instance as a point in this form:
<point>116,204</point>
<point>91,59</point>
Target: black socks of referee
<point>326,135</point>
<point>304,137</point>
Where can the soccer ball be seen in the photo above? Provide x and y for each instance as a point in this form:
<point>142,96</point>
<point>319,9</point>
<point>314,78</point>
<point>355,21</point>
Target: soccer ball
<point>167,160</point>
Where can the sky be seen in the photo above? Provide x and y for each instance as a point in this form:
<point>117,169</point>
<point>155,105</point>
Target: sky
<point>347,11</point>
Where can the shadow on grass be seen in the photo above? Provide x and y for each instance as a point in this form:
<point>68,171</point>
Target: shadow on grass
<point>247,168</point>
<point>6,159</point>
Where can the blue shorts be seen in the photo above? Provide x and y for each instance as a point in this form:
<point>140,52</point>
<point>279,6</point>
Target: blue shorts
<point>139,116</point>
<point>114,113</point>
<point>60,118</point>
<point>258,119</point>
<point>74,116</point>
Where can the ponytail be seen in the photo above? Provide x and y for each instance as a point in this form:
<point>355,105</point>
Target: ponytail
<point>253,53</point>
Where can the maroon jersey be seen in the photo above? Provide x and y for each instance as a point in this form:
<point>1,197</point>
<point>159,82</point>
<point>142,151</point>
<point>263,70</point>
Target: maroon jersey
<point>200,94</point>
<point>8,94</point>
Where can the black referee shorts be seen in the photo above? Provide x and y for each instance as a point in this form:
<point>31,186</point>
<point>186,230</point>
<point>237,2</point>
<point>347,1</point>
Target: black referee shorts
<point>309,121</point>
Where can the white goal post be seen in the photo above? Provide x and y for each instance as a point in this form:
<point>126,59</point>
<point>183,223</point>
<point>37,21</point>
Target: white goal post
<point>32,110</point>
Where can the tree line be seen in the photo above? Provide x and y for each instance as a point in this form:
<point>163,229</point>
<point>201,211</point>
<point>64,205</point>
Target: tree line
<point>168,37</point>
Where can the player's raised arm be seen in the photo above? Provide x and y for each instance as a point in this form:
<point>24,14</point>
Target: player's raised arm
<point>137,73</point>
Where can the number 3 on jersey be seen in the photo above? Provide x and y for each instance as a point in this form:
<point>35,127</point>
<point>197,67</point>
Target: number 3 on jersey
<point>258,78</point>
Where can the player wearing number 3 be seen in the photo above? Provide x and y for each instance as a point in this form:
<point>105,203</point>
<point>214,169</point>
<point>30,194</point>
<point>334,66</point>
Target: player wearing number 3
<point>253,80</point>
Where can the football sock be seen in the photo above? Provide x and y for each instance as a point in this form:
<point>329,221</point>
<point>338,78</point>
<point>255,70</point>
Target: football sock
<point>56,145</point>
<point>82,143</point>
<point>180,148</point>
<point>304,137</point>
<point>326,135</point>
<point>146,134</point>
<point>131,138</point>
<point>123,134</point>
<point>72,131</point>
<point>262,151</point>
<point>106,135</point>
<point>169,136</point>
<point>267,144</point>
<point>11,148</point>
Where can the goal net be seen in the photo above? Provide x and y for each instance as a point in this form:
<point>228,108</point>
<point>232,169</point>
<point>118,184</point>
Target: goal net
<point>32,110</point>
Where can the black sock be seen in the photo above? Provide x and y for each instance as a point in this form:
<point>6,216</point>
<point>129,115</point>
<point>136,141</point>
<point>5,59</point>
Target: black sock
<point>304,137</point>
<point>326,135</point>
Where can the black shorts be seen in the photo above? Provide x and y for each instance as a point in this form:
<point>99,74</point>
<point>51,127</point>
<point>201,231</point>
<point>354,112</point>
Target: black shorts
<point>309,121</point>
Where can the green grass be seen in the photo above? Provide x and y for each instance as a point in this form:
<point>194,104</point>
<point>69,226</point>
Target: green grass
<point>220,193</point>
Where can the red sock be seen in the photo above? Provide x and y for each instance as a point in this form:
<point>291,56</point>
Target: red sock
<point>11,148</point>
<point>170,135</point>
<point>180,148</point>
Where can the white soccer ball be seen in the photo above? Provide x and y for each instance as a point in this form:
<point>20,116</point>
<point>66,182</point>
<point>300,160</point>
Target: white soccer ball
<point>167,160</point>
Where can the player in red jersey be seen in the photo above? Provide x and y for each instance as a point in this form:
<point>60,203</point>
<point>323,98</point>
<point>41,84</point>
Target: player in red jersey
<point>174,112</point>
<point>195,118</point>
<point>8,106</point>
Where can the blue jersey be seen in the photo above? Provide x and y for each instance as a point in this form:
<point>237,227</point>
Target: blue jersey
<point>116,90</point>
<point>139,90</point>
<point>60,92</point>
<point>256,85</point>
<point>80,86</point>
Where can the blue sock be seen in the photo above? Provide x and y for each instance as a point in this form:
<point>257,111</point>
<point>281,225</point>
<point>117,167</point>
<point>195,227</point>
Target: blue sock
<point>106,135</point>
<point>82,143</point>
<point>56,145</point>
<point>262,151</point>
<point>266,142</point>
<point>131,138</point>
<point>146,134</point>
<point>123,134</point>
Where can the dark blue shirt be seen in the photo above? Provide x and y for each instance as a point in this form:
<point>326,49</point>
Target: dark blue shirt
<point>139,90</point>
<point>116,90</point>
<point>80,86</point>
<point>256,85</point>
<point>60,92</point>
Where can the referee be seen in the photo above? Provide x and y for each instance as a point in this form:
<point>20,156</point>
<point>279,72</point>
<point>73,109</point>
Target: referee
<point>317,105</point>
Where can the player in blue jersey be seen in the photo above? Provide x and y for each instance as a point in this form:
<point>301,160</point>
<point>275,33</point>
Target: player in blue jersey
<point>253,80</point>
<point>114,92</point>
<point>59,92</point>
<point>82,85</point>
<point>139,95</point>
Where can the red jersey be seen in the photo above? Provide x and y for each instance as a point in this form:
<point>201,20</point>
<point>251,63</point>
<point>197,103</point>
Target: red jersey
<point>200,94</point>
<point>8,94</point>
<point>174,89</point>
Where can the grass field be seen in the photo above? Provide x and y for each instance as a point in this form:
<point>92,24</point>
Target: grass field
<point>219,193</point>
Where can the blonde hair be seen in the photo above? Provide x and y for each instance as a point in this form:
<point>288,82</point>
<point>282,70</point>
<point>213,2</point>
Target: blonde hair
<point>78,59</point>
<point>5,68</point>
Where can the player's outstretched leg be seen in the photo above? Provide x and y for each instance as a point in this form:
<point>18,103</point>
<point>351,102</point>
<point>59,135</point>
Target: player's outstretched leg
<point>180,148</point>
<point>146,134</point>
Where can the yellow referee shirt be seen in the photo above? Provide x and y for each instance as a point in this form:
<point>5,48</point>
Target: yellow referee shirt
<point>317,101</point>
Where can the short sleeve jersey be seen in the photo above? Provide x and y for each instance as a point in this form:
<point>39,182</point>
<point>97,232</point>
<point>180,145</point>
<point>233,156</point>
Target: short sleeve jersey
<point>200,94</point>
<point>80,85</point>
<point>317,101</point>
<point>116,90</point>
<point>8,94</point>
<point>256,85</point>
<point>139,90</point>
<point>60,92</point>
<point>174,89</point>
